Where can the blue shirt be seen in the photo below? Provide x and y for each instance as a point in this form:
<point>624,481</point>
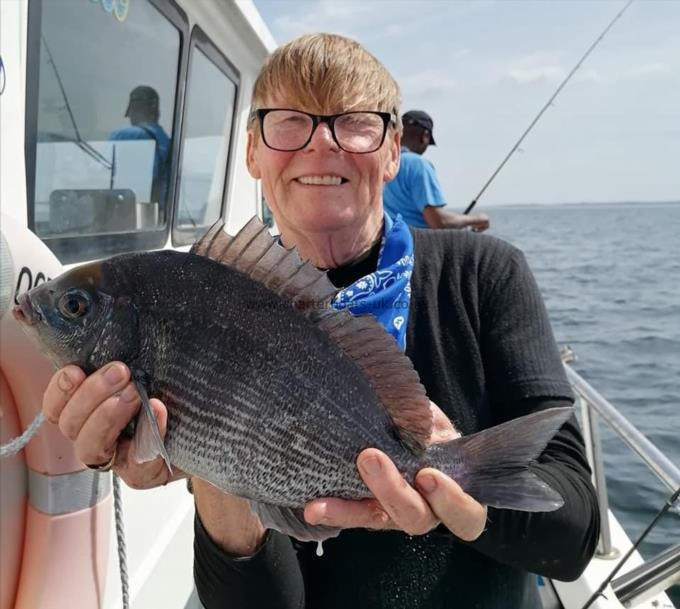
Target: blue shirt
<point>147,131</point>
<point>415,187</point>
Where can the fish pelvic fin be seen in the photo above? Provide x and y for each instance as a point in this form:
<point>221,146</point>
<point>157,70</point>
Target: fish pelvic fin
<point>147,443</point>
<point>390,373</point>
<point>291,521</point>
<point>493,465</point>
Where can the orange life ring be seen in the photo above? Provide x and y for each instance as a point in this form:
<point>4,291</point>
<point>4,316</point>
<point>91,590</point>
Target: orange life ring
<point>55,514</point>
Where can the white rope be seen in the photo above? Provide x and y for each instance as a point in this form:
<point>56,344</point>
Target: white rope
<point>14,446</point>
<point>120,536</point>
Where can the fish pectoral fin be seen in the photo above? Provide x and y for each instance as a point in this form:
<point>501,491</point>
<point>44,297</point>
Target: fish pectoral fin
<point>290,521</point>
<point>147,444</point>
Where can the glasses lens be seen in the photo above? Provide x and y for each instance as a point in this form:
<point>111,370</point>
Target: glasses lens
<point>286,129</point>
<point>359,131</point>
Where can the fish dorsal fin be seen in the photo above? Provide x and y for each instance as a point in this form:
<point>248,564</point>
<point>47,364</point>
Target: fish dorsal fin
<point>390,373</point>
<point>388,370</point>
<point>256,253</point>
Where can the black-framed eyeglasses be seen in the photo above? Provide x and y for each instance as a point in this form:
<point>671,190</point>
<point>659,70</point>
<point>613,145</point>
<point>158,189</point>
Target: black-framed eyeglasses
<point>359,132</point>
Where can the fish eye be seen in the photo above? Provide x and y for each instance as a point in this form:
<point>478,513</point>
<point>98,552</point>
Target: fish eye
<point>74,304</point>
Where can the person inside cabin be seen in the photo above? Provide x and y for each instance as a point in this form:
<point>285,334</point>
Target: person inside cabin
<point>415,192</point>
<point>324,136</point>
<point>143,112</point>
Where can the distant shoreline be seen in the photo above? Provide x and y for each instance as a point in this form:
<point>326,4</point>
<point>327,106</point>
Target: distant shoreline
<point>579,204</point>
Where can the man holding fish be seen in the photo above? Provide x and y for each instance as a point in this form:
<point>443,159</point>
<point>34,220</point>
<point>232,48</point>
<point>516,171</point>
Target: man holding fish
<point>427,520</point>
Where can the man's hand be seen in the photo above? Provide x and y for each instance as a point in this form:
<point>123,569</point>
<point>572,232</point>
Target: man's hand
<point>478,222</point>
<point>228,520</point>
<point>92,411</point>
<point>438,217</point>
<point>397,505</point>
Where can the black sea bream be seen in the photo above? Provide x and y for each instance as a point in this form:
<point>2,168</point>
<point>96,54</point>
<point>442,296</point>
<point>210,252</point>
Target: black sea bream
<point>271,393</point>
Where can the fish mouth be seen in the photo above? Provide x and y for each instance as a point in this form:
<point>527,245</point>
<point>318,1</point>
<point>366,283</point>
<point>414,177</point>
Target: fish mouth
<point>25,312</point>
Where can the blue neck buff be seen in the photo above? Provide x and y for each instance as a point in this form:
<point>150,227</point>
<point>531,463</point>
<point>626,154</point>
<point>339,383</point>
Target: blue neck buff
<point>385,293</point>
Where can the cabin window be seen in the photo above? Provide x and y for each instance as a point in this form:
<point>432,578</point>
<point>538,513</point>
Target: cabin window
<point>267,216</point>
<point>100,133</point>
<point>206,138</point>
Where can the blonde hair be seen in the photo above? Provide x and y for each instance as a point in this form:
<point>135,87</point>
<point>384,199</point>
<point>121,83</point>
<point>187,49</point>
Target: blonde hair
<point>327,73</point>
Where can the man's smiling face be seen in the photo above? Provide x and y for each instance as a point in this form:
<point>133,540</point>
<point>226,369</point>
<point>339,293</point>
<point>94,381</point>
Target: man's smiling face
<point>322,188</point>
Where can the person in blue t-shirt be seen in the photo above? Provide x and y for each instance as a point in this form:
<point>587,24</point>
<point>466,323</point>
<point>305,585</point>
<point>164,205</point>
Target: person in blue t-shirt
<point>143,110</point>
<point>415,193</point>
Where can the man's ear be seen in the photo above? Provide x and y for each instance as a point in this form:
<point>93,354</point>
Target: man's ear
<point>251,163</point>
<point>392,166</point>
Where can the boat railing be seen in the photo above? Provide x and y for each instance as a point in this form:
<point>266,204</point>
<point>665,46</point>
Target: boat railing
<point>662,571</point>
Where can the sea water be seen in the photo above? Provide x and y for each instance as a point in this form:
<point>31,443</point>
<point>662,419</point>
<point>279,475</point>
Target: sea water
<point>610,277</point>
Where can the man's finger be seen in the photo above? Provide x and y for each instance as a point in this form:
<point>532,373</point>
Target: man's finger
<point>443,429</point>
<point>97,438</point>
<point>460,513</point>
<point>94,390</point>
<point>59,390</point>
<point>405,506</point>
<point>344,514</point>
<point>161,414</point>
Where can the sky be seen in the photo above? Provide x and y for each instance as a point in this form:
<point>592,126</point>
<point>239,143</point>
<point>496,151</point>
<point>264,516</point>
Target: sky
<point>484,68</point>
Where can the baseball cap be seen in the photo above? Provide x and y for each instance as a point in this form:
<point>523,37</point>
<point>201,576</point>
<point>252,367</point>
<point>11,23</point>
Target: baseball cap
<point>143,94</point>
<point>419,117</point>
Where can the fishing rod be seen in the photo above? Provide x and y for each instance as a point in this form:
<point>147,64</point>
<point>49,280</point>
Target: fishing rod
<point>547,105</point>
<point>78,140</point>
<point>667,506</point>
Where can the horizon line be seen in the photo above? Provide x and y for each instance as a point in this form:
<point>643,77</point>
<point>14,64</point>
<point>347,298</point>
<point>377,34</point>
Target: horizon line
<point>545,204</point>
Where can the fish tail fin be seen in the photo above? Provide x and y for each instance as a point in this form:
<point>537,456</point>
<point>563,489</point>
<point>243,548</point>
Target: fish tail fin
<point>492,465</point>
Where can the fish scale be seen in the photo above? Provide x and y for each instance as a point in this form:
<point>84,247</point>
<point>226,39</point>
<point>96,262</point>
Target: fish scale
<point>339,406</point>
<point>313,452</point>
<point>182,374</point>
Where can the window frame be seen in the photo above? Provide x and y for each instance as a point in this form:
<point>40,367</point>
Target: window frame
<point>201,41</point>
<point>114,243</point>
